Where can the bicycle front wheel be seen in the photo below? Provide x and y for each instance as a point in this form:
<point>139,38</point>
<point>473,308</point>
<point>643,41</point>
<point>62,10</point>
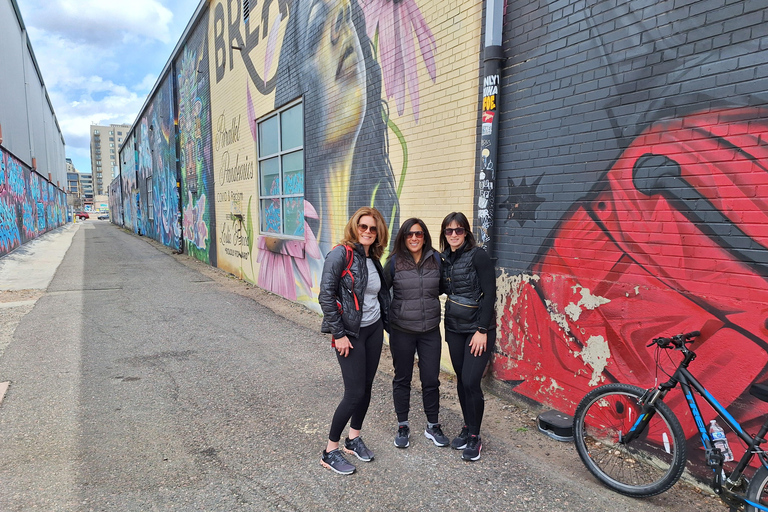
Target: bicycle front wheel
<point>647,466</point>
<point>757,492</point>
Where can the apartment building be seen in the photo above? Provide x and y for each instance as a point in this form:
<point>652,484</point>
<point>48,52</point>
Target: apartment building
<point>105,142</point>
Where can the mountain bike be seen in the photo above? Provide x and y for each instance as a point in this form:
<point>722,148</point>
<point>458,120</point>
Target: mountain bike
<point>632,442</point>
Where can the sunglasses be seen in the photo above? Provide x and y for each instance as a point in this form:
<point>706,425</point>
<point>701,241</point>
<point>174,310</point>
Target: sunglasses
<point>414,234</point>
<point>365,227</point>
<point>451,231</point>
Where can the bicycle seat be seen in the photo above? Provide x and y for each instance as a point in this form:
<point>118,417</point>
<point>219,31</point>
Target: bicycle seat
<point>760,391</point>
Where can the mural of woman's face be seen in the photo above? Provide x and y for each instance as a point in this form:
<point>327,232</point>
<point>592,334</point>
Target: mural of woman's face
<point>338,66</point>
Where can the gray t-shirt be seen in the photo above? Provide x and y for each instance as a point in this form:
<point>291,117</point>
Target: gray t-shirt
<point>371,308</point>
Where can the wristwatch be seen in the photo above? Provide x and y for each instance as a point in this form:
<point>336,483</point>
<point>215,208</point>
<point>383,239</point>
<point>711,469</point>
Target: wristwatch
<point>482,330</point>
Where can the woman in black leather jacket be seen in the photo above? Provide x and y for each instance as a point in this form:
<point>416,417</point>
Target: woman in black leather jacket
<point>355,304</point>
<point>413,272</point>
<point>469,279</point>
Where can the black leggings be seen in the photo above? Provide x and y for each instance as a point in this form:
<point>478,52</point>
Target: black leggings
<point>358,370</point>
<point>403,346</point>
<point>469,372</point>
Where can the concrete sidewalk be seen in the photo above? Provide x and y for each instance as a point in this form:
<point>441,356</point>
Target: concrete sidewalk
<point>25,274</point>
<point>32,266</point>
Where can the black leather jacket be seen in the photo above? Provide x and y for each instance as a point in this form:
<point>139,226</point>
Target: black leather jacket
<point>341,292</point>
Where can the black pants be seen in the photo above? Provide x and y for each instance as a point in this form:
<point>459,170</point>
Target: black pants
<point>403,346</point>
<point>358,370</point>
<point>469,372</point>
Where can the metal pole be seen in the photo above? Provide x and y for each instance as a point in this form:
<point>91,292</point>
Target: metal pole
<point>493,56</point>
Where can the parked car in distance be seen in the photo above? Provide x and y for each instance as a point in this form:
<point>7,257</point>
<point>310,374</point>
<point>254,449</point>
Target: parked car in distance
<point>103,216</point>
<point>82,216</point>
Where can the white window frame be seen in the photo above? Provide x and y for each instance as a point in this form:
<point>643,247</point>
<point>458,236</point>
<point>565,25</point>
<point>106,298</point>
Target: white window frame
<point>260,158</point>
<point>150,203</point>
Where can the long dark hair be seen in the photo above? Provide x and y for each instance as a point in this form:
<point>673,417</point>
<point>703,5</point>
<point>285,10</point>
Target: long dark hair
<point>372,181</point>
<point>401,249</point>
<point>462,221</point>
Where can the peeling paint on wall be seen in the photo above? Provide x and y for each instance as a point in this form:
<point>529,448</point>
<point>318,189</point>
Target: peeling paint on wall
<point>587,301</point>
<point>596,354</point>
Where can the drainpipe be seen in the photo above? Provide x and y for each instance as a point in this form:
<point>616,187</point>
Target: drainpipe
<point>177,142</point>
<point>493,57</point>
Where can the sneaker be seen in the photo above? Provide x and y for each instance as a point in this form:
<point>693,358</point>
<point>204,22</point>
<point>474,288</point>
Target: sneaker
<point>357,448</point>
<point>460,441</point>
<point>335,461</point>
<point>436,435</point>
<point>401,439</point>
<point>472,451</point>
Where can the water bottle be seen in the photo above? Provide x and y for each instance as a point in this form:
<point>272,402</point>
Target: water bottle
<point>720,441</point>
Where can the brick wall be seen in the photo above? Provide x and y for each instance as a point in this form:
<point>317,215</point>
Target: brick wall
<point>631,195</point>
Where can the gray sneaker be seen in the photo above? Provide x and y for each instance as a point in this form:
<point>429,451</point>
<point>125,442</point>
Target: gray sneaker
<point>436,435</point>
<point>460,441</point>
<point>472,451</point>
<point>401,439</point>
<point>357,448</point>
<point>336,462</point>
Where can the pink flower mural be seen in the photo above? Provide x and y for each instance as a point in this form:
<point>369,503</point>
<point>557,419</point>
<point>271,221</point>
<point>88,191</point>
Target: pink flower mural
<point>397,22</point>
<point>195,228</point>
<point>278,258</point>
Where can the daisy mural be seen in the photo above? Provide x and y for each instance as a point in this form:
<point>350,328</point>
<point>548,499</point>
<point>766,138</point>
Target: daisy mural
<point>395,24</point>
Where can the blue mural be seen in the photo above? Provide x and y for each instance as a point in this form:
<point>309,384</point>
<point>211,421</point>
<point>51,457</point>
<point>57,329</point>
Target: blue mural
<point>29,204</point>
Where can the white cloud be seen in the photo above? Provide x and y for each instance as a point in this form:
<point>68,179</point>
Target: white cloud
<point>100,59</point>
<point>101,22</point>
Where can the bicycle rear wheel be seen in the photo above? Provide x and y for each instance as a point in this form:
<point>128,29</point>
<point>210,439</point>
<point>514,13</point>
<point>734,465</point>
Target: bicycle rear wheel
<point>647,466</point>
<point>758,490</point>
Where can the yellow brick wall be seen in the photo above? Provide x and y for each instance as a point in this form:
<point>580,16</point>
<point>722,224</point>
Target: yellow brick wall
<point>441,144</point>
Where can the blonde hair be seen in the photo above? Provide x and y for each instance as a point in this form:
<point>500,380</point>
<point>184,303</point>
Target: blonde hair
<point>382,233</point>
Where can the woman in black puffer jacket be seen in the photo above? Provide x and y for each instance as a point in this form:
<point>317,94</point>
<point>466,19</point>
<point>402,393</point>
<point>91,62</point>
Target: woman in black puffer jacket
<point>468,277</point>
<point>355,304</point>
<point>413,272</point>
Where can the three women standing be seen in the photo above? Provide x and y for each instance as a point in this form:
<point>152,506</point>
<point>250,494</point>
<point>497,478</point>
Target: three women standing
<point>355,301</point>
<point>413,273</point>
<point>355,307</point>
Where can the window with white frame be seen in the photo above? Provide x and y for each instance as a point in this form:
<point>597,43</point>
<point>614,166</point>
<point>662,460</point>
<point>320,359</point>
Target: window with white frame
<point>281,172</point>
<point>150,203</point>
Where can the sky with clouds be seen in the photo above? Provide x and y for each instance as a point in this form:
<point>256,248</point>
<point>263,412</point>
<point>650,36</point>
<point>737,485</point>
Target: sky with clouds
<point>99,59</point>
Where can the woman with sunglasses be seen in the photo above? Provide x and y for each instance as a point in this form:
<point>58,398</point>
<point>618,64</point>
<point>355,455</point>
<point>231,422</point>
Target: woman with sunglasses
<point>355,307</point>
<point>413,273</point>
<point>469,279</point>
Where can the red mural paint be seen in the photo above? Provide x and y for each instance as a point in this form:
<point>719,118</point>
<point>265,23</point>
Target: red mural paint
<point>674,240</point>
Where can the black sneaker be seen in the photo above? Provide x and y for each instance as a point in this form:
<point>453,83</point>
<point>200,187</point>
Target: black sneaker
<point>460,442</point>
<point>357,448</point>
<point>436,435</point>
<point>472,451</point>
<point>401,439</point>
<point>335,461</point>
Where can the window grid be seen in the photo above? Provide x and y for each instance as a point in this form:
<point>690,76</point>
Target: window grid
<point>150,203</point>
<point>274,199</point>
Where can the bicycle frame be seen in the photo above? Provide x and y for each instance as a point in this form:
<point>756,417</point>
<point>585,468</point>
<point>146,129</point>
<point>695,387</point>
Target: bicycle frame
<point>688,383</point>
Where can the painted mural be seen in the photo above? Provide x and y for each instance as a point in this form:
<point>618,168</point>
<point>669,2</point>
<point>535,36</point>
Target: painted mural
<point>357,66</point>
<point>29,204</point>
<point>195,156</point>
<point>157,171</point>
<point>670,239</point>
<point>128,173</point>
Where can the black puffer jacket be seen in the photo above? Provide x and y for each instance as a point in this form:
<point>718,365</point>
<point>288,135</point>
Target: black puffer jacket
<point>415,292</point>
<point>469,274</point>
<point>341,292</point>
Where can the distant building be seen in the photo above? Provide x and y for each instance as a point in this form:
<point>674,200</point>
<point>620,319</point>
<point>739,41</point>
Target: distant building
<point>105,141</point>
<point>86,183</point>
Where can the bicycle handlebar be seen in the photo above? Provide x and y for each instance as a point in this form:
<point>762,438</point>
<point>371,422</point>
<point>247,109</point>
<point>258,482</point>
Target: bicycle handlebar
<point>678,341</point>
